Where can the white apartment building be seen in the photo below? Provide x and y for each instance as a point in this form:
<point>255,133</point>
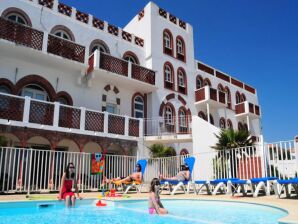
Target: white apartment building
<point>72,82</point>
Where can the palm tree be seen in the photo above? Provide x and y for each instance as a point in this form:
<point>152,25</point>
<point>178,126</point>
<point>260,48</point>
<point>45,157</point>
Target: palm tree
<point>228,140</point>
<point>160,150</point>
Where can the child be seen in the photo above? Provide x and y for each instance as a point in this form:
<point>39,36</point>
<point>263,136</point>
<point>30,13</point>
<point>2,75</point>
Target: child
<point>155,205</point>
<point>65,193</point>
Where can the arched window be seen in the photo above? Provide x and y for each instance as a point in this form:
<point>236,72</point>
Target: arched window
<point>238,98</point>
<point>99,45</point>
<point>240,126</point>
<point>229,100</point>
<point>229,124</point>
<point>182,118</point>
<point>245,127</point>
<point>220,87</point>
<point>202,115</point>
<point>62,32</point>
<point>243,97</point>
<point>138,107</point>
<point>167,42</point>
<point>168,76</point>
<point>199,82</point>
<point>35,92</point>
<point>4,89</point>
<point>222,123</point>
<point>207,82</point>
<point>131,57</point>
<point>182,82</point>
<point>169,118</point>
<point>211,119</point>
<point>16,17</point>
<point>62,100</point>
<point>180,48</point>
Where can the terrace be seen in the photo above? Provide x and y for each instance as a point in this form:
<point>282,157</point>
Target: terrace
<point>246,108</point>
<point>210,96</point>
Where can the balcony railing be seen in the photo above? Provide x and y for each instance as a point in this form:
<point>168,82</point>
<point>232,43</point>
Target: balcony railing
<point>46,115</point>
<point>66,48</point>
<point>247,108</point>
<point>20,34</point>
<point>207,93</point>
<point>162,126</point>
<point>124,68</point>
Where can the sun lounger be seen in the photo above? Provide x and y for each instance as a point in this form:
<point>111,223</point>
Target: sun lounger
<point>287,185</point>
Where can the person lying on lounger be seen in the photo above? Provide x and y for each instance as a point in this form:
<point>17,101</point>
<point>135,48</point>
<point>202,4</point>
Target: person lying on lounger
<point>135,176</point>
<point>182,175</point>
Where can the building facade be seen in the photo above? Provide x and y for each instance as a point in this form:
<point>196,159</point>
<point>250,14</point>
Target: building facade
<point>72,82</point>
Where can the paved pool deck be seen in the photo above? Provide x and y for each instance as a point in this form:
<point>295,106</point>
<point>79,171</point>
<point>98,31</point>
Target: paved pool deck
<point>289,204</point>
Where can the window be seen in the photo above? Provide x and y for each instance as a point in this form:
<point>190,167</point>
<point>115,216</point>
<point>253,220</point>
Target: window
<point>35,92</point>
<point>180,48</point>
<point>138,107</point>
<point>181,81</point>
<point>18,18</point>
<point>207,82</point>
<point>229,124</point>
<point>62,100</point>
<point>202,115</point>
<point>182,118</point>
<point>243,97</point>
<point>63,34</point>
<point>222,123</point>
<point>168,74</point>
<point>131,57</point>
<point>4,89</point>
<point>227,90</point>
<point>169,115</point>
<point>167,42</point>
<point>199,82</point>
<point>99,47</point>
<point>238,98</point>
<point>211,119</point>
<point>111,108</point>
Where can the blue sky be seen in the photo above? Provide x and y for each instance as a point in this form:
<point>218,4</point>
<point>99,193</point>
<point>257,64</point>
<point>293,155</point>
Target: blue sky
<point>254,41</point>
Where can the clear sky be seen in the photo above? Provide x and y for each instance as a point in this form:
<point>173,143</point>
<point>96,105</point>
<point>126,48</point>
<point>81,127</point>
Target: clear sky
<point>255,41</point>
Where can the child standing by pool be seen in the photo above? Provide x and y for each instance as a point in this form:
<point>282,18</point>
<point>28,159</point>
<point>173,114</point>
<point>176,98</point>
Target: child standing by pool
<point>69,179</point>
<point>155,205</point>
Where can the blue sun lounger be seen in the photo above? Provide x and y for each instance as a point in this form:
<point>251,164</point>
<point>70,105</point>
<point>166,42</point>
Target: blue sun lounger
<point>214,186</point>
<point>279,185</point>
<point>190,161</point>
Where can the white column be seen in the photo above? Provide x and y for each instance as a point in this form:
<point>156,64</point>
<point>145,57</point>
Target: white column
<point>129,69</point>
<point>56,114</point>
<point>141,128</point>
<point>263,155</point>
<point>96,59</point>
<point>106,122</point>
<point>126,126</point>
<point>208,112</point>
<point>83,118</point>
<point>247,121</point>
<point>26,109</point>
<point>45,42</point>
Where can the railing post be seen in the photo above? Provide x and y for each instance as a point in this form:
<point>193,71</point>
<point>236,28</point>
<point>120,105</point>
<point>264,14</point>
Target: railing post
<point>106,122</point>
<point>96,59</point>
<point>126,126</point>
<point>141,128</point>
<point>56,114</point>
<point>30,165</point>
<point>26,112</point>
<point>129,69</point>
<point>263,152</point>
<point>45,42</point>
<point>207,92</point>
<point>83,118</point>
<point>246,107</point>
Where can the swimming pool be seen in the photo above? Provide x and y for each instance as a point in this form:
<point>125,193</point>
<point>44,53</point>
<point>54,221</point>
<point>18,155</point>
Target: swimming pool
<point>135,212</point>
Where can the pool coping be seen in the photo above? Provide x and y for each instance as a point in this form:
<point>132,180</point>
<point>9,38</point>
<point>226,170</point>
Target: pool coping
<point>287,205</point>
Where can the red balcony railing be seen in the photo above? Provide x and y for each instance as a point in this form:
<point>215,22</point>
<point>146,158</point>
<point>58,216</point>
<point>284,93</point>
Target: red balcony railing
<point>69,117</point>
<point>66,48</point>
<point>20,34</point>
<point>134,127</point>
<point>116,124</point>
<point>240,108</point>
<point>112,64</point>
<point>213,94</point>
<point>94,121</point>
<point>143,74</point>
<point>41,113</point>
<point>11,108</point>
<point>200,94</point>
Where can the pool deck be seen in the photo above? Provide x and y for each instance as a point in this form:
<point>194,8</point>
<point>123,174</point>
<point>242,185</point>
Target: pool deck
<point>289,204</point>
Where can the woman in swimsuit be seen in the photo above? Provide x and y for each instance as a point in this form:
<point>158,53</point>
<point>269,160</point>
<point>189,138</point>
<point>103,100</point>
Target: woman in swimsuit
<point>136,176</point>
<point>69,180</point>
<point>183,175</point>
<point>155,205</point>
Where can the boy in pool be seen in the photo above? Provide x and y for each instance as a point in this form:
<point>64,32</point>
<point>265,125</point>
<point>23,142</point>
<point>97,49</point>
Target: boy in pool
<point>155,205</point>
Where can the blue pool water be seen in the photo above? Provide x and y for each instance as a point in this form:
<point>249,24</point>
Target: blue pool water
<point>135,212</point>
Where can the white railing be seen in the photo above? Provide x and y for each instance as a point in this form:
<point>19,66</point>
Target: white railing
<point>32,170</point>
<point>162,126</point>
<point>32,113</point>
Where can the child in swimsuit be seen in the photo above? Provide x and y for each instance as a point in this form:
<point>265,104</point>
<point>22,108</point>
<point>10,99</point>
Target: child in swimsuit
<point>68,179</point>
<point>155,205</point>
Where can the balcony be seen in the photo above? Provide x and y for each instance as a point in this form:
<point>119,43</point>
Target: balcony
<point>246,108</point>
<point>121,72</point>
<point>160,130</point>
<point>213,97</point>
<point>53,116</point>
